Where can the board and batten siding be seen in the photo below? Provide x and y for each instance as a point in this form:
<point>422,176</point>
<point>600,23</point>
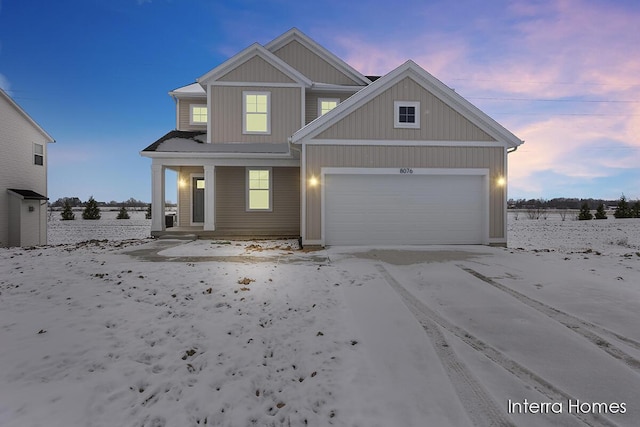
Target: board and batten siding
<point>231,213</point>
<point>226,111</point>
<point>311,65</point>
<point>311,102</point>
<point>256,69</point>
<point>184,113</point>
<point>375,119</point>
<point>387,156</point>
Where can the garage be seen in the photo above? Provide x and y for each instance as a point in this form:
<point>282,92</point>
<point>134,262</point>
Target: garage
<point>405,206</point>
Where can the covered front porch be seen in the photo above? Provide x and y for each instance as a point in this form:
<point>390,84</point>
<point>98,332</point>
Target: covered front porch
<point>235,189</point>
<point>213,200</point>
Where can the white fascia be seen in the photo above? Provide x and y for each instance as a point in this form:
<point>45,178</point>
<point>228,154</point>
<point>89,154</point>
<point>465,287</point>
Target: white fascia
<point>399,143</point>
<point>328,87</point>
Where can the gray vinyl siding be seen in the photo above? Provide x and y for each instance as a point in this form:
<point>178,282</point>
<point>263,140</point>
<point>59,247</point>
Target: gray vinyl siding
<point>256,69</point>
<point>312,65</point>
<point>311,102</point>
<point>231,213</point>
<point>367,156</point>
<point>375,119</point>
<point>184,113</point>
<point>226,111</point>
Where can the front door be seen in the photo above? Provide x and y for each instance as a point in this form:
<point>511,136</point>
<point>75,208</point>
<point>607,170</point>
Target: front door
<point>197,185</point>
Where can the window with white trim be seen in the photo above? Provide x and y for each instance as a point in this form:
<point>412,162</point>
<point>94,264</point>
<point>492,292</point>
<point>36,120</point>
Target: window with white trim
<point>38,154</point>
<point>406,114</point>
<point>198,114</point>
<point>256,108</point>
<point>327,104</point>
<point>259,192</point>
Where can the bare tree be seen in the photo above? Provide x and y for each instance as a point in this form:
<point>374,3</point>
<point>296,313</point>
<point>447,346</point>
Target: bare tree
<point>563,213</point>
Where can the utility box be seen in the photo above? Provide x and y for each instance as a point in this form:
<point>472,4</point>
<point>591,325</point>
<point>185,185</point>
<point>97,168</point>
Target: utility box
<point>27,218</point>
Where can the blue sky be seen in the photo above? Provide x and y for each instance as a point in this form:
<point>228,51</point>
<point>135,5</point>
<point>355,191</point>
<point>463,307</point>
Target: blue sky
<point>562,75</point>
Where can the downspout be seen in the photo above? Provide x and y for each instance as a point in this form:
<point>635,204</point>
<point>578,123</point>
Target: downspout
<point>512,149</point>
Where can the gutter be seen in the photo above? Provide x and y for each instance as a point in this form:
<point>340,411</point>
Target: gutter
<point>512,149</point>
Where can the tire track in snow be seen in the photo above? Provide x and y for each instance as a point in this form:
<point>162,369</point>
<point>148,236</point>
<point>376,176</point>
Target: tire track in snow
<point>430,319</point>
<point>586,329</point>
<point>481,407</point>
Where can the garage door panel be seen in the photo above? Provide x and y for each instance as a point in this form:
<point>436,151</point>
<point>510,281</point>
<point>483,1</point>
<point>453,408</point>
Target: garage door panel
<point>404,209</point>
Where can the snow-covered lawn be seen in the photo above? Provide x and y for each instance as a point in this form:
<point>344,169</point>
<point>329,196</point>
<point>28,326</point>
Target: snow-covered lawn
<point>133,332</point>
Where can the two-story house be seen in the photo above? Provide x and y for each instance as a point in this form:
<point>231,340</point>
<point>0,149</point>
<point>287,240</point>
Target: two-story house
<point>23,177</point>
<point>288,140</point>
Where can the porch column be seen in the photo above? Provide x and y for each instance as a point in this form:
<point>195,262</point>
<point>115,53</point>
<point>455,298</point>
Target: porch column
<point>209,197</point>
<point>157,198</point>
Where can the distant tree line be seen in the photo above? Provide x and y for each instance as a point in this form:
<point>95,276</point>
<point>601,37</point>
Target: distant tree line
<point>75,202</point>
<point>561,203</point>
<point>539,208</point>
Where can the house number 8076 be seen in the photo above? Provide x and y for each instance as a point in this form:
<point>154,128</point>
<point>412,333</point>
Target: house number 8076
<point>406,170</point>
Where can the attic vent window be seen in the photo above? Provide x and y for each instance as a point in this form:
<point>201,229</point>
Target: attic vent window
<point>406,114</point>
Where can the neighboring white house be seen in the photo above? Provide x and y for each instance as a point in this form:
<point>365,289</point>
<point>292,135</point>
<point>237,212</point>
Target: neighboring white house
<point>23,177</point>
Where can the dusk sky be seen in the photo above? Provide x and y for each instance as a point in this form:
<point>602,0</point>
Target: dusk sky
<point>562,75</point>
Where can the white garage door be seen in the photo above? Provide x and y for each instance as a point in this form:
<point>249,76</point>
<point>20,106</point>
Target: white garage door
<point>410,209</point>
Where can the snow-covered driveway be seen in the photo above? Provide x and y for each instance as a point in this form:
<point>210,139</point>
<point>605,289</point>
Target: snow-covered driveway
<point>241,334</point>
<point>498,326</point>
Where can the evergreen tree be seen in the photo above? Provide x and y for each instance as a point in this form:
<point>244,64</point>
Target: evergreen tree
<point>585,213</point>
<point>636,209</point>
<point>600,213</point>
<point>67,214</point>
<point>91,210</point>
<point>123,214</point>
<point>623,210</point>
<point>148,214</point>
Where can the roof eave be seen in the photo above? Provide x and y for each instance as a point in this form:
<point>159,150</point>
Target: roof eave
<point>20,110</point>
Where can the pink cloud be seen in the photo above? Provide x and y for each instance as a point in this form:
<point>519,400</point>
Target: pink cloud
<point>567,49</point>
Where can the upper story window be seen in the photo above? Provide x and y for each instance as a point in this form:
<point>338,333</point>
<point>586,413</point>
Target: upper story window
<point>38,154</point>
<point>256,110</point>
<point>327,104</point>
<point>198,114</point>
<point>406,114</point>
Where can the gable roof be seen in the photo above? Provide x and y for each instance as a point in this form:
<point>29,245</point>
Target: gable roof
<point>300,37</point>
<point>247,54</point>
<point>430,83</point>
<point>194,89</point>
<point>24,114</point>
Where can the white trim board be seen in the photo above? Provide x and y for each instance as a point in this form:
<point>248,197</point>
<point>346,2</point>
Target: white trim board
<point>403,142</point>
